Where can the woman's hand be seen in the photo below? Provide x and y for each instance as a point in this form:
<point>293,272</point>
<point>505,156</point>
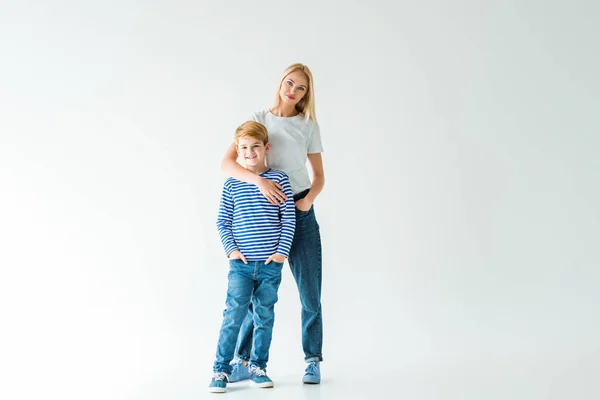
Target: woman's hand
<point>272,191</point>
<point>304,204</point>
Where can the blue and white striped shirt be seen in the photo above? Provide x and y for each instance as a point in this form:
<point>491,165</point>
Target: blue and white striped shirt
<point>249,223</point>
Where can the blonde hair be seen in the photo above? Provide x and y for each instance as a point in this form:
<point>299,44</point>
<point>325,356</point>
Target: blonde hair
<point>305,106</point>
<point>252,129</point>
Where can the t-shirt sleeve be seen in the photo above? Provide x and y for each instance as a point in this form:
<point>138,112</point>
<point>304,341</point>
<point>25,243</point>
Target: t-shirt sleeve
<point>257,116</point>
<point>314,142</point>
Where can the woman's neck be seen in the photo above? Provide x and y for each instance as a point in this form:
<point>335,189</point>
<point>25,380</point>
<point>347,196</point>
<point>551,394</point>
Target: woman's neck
<point>284,111</point>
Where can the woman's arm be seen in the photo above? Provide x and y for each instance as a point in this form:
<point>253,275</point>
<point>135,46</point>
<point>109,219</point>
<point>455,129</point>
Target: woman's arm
<point>318,182</point>
<point>270,189</point>
<point>231,167</point>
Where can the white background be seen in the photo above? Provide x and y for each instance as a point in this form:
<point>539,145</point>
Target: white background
<point>460,217</point>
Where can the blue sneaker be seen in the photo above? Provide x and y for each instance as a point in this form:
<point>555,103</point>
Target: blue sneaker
<point>312,373</point>
<point>240,372</point>
<point>259,377</point>
<point>218,384</point>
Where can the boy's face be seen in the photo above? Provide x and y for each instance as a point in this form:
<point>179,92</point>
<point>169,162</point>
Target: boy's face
<point>252,151</point>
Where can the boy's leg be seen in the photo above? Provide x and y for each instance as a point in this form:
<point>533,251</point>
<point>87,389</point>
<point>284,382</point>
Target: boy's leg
<point>306,264</point>
<point>240,367</point>
<point>244,343</point>
<point>264,299</point>
<point>239,295</point>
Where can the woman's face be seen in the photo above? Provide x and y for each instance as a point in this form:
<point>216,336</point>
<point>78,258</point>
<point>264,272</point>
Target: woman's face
<point>293,88</point>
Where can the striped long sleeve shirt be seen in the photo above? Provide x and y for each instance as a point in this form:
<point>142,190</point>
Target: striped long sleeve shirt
<point>249,223</point>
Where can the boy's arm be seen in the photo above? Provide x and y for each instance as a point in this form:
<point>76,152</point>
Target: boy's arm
<point>288,219</point>
<point>225,221</point>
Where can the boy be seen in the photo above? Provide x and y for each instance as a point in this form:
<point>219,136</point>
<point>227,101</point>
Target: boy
<point>257,237</point>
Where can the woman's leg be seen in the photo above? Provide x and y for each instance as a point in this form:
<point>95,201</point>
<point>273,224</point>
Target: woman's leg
<point>306,264</point>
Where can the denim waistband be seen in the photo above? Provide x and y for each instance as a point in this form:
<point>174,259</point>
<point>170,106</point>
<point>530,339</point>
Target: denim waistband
<point>301,195</point>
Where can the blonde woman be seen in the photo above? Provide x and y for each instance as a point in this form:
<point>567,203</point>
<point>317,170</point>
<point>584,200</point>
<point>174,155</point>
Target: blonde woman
<point>295,138</point>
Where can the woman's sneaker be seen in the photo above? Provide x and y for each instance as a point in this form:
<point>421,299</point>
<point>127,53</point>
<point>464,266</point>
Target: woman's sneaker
<point>259,377</point>
<point>218,384</point>
<point>313,373</point>
<point>240,372</point>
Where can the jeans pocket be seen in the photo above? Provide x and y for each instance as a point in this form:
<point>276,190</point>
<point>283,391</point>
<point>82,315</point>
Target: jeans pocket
<point>302,212</point>
<point>234,262</point>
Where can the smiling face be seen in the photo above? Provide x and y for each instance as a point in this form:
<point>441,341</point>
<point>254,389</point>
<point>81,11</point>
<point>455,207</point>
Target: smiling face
<point>253,152</point>
<point>293,88</point>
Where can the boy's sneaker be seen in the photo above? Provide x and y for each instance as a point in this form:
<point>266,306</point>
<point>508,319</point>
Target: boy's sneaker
<point>259,377</point>
<point>240,372</point>
<point>312,373</point>
<point>218,384</point>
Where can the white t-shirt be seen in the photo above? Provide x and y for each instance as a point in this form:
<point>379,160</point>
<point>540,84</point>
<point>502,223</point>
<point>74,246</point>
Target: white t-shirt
<point>292,138</point>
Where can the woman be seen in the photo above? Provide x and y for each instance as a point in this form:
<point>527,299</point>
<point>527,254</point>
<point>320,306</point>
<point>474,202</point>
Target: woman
<point>295,137</point>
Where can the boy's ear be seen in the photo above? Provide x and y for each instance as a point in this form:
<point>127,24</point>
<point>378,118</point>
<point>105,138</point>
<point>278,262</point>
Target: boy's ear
<point>267,147</point>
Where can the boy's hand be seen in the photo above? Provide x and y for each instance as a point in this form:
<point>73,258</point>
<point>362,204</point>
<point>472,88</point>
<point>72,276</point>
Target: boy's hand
<point>237,255</point>
<point>277,258</point>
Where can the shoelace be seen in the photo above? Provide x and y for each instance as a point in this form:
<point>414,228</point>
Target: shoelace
<point>220,376</point>
<point>257,371</point>
<point>312,368</point>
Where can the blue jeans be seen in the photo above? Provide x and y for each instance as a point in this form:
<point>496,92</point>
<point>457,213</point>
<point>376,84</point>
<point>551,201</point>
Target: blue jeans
<point>249,284</point>
<point>306,264</point>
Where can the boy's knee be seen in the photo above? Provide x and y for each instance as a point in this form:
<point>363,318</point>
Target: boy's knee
<point>311,307</point>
